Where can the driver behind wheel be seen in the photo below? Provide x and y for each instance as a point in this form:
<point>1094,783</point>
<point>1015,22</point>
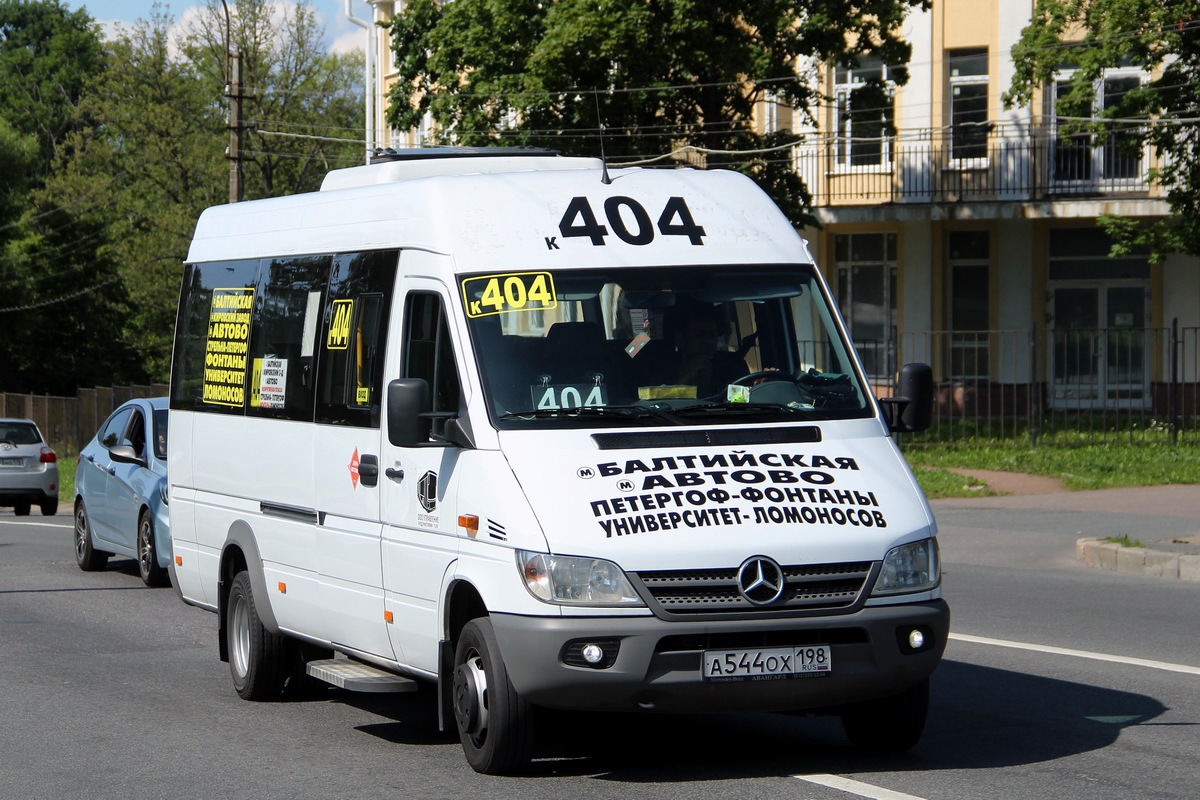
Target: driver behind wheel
<point>695,332</point>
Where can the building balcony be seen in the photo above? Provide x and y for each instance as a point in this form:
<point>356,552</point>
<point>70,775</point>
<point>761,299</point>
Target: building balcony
<point>987,164</point>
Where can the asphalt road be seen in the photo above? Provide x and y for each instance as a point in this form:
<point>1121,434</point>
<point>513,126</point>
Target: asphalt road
<point>112,690</point>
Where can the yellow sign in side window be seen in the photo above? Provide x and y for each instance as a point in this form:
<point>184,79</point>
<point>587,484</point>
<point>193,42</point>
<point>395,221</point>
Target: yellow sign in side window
<point>227,346</point>
<point>339,325</point>
<point>515,291</point>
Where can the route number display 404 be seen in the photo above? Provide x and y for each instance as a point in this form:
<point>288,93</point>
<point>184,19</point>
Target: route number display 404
<point>629,221</point>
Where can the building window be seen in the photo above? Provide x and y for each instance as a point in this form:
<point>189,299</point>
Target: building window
<point>1086,158</point>
<point>968,258</point>
<point>866,281</point>
<point>968,103</point>
<point>864,114</point>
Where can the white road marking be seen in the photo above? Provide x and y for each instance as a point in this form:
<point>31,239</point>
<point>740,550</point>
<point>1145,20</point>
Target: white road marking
<point>856,787</point>
<point>1063,651</point>
<point>64,524</point>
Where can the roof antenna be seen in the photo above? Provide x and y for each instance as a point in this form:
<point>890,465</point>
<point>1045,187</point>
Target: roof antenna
<point>604,162</point>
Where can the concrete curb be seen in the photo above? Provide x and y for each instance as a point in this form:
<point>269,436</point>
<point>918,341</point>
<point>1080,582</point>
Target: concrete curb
<point>1138,560</point>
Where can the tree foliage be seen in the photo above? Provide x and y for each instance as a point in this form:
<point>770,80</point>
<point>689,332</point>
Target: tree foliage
<point>655,75</point>
<point>93,241</point>
<point>1090,36</point>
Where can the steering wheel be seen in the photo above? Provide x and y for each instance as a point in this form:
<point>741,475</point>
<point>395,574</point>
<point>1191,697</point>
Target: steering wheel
<point>764,376</point>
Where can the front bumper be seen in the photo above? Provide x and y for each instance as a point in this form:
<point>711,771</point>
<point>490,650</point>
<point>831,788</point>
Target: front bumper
<point>658,666</point>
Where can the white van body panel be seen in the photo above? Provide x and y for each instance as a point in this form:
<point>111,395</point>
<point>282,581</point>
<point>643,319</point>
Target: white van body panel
<point>490,225</point>
<point>653,509</point>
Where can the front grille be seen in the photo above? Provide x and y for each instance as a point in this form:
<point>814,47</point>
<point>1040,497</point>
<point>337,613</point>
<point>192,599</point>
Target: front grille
<point>817,587</point>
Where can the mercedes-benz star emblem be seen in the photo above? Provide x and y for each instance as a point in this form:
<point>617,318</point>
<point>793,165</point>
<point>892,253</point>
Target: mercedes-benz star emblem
<point>760,580</point>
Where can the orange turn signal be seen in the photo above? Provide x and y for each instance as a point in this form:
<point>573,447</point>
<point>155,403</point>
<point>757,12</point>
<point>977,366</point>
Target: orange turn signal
<point>469,523</point>
<point>282,587</point>
<point>387,616</point>
<point>179,561</point>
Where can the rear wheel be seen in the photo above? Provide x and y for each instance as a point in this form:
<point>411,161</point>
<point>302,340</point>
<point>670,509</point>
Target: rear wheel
<point>495,725</point>
<point>87,557</point>
<point>257,658</point>
<point>21,509</point>
<point>890,724</point>
<point>152,574</point>
<point>49,507</point>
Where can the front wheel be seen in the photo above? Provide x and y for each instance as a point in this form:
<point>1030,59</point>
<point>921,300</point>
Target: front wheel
<point>890,724</point>
<point>494,723</point>
<point>257,657</point>
<point>87,557</point>
<point>152,574</point>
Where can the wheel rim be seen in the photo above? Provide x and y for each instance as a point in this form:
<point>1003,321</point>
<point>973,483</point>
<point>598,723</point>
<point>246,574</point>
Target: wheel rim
<point>145,547</point>
<point>470,698</point>
<point>81,533</point>
<point>239,636</point>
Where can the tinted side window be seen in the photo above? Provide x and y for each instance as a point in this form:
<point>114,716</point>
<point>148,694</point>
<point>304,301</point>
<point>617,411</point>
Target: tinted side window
<point>353,338</point>
<point>212,337</point>
<point>429,353</point>
<point>113,432</point>
<point>287,311</point>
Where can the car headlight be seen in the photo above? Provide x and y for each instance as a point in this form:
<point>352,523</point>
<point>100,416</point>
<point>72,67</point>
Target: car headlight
<point>910,567</point>
<point>572,580</point>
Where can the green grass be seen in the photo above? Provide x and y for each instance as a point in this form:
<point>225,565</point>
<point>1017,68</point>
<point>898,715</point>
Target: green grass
<point>1092,466</point>
<point>1124,540</point>
<point>66,482</point>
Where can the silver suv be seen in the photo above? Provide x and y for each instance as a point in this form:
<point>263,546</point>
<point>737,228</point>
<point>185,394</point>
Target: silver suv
<point>28,468</point>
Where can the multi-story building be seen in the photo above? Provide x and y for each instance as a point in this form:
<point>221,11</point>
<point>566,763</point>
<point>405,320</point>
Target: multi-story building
<point>960,232</point>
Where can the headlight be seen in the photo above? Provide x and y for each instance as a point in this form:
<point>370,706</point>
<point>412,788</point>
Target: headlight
<point>571,580</point>
<point>909,568</point>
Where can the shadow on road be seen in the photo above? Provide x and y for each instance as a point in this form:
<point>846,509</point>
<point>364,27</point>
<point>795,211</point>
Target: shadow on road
<point>980,718</point>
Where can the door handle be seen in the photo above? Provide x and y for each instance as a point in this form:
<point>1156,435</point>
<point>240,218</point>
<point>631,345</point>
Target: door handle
<point>394,474</point>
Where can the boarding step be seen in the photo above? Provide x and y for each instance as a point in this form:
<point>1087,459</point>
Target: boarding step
<point>358,677</point>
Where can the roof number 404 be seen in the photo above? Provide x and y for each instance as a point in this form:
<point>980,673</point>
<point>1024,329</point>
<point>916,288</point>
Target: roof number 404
<point>628,220</point>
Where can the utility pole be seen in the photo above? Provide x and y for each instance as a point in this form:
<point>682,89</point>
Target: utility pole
<point>234,89</point>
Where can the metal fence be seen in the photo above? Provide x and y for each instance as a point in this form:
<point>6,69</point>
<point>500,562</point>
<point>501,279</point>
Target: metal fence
<point>1053,386</point>
<point>995,163</point>
<point>68,423</point>
<point>1080,385</point>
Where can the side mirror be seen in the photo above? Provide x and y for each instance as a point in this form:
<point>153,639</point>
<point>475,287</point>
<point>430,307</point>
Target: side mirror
<point>124,454</point>
<point>910,409</point>
<point>407,400</point>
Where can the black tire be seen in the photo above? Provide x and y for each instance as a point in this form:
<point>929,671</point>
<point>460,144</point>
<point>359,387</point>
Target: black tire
<point>257,658</point>
<point>890,724</point>
<point>21,509</point>
<point>495,725</point>
<point>152,574</point>
<point>49,507</point>
<point>87,557</point>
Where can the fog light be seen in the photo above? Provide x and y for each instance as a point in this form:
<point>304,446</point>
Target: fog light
<point>591,653</point>
<point>917,639</point>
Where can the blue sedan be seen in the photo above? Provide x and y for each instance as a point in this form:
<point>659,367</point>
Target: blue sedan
<point>121,492</point>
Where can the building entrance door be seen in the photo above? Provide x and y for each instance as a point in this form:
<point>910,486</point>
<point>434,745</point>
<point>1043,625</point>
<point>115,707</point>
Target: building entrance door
<point>1099,342</point>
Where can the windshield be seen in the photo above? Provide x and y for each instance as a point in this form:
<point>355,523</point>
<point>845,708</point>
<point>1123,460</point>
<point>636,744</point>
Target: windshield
<point>659,346</point>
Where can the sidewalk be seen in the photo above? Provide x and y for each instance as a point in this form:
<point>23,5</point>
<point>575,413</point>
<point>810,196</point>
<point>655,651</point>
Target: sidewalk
<point>1163,554</point>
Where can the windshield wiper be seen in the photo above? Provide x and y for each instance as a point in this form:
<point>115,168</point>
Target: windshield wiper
<point>714,409</point>
<point>623,412</point>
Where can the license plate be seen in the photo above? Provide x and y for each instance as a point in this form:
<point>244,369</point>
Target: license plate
<point>770,663</point>
<point>12,462</point>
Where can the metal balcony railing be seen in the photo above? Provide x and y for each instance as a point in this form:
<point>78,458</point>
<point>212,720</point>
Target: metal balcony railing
<point>986,163</point>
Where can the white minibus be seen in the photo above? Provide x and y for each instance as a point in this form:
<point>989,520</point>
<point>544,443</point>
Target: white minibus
<point>545,435</point>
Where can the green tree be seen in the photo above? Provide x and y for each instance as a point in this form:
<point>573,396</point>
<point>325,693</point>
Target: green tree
<point>303,107</point>
<point>656,75</point>
<point>1164,39</point>
<point>47,53</point>
<point>47,56</point>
